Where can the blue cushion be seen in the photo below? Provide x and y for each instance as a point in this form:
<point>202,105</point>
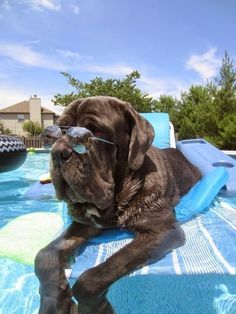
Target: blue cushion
<point>160,123</point>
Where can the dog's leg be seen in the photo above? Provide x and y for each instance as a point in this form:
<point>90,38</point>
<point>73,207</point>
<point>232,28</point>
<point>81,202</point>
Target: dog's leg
<point>50,263</point>
<point>90,289</point>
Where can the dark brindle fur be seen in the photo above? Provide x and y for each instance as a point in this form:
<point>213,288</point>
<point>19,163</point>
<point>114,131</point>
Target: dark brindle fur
<point>130,185</point>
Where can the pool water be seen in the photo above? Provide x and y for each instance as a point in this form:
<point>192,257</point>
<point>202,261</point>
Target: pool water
<point>18,284</point>
<point>199,294</point>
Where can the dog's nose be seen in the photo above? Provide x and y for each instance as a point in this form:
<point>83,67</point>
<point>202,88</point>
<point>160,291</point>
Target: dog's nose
<point>60,152</point>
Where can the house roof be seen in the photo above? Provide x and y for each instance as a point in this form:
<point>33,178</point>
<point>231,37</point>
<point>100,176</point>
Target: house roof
<point>23,107</point>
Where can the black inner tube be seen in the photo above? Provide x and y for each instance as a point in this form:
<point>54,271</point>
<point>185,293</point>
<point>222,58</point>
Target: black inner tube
<point>13,153</point>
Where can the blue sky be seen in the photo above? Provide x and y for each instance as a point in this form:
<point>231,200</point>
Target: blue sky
<point>173,44</point>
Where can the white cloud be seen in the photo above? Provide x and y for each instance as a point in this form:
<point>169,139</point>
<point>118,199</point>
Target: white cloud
<point>82,63</point>
<point>205,64</point>
<point>112,69</point>
<point>5,4</point>
<point>45,4</point>
<point>76,9</point>
<point>10,96</point>
<point>60,60</point>
<point>70,54</point>
<point>53,5</point>
<point>24,54</point>
<point>67,60</point>
<point>41,5</point>
<point>155,86</point>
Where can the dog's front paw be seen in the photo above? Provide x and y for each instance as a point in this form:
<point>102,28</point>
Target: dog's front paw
<point>50,305</point>
<point>99,307</point>
<point>91,294</point>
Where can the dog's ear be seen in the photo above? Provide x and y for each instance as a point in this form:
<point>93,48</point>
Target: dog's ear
<point>141,137</point>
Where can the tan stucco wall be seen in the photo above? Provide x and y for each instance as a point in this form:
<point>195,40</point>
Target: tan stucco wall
<point>10,121</point>
<point>47,119</point>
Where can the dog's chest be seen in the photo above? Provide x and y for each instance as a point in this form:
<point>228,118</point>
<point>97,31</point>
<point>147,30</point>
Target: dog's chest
<point>88,215</point>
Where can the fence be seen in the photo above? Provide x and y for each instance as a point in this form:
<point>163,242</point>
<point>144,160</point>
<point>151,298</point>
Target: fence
<point>32,141</point>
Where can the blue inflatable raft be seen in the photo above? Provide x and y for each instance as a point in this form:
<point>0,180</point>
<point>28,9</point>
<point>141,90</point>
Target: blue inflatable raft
<point>207,158</point>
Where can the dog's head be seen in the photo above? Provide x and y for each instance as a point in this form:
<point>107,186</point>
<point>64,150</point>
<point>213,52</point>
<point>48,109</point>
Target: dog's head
<point>114,138</point>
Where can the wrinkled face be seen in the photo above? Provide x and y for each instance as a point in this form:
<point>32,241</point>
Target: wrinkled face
<point>83,168</point>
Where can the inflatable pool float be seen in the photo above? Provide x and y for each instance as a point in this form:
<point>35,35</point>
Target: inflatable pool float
<point>23,237</point>
<point>12,153</point>
<point>207,158</point>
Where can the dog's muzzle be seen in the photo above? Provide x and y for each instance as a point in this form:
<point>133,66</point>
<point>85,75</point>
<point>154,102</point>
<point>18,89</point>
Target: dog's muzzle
<point>60,153</point>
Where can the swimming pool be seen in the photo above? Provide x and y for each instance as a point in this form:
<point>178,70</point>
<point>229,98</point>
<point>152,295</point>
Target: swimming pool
<point>18,284</point>
<point>195,294</point>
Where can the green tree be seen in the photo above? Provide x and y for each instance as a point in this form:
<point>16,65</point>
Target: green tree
<point>196,113</point>
<point>124,89</point>
<point>225,87</point>
<point>4,130</point>
<point>223,90</point>
<point>227,137</point>
<point>210,111</point>
<point>33,128</point>
<point>187,129</point>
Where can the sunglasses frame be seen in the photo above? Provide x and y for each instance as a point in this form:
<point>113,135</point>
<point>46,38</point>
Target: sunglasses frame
<point>78,148</point>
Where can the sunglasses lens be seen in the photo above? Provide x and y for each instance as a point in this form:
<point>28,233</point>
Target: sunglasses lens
<point>52,131</point>
<point>80,148</point>
<point>77,146</point>
<point>78,138</point>
<point>79,133</point>
<point>50,135</point>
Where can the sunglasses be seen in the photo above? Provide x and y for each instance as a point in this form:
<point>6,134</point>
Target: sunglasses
<point>77,137</point>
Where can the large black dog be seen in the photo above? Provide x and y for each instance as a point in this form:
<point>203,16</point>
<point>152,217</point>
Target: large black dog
<point>104,167</point>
